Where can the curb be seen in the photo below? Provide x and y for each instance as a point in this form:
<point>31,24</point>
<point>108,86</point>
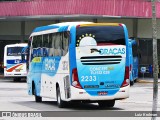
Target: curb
<point>146,81</point>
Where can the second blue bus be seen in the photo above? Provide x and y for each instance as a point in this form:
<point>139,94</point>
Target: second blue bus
<point>133,49</point>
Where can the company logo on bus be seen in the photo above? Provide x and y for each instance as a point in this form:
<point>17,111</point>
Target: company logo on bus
<point>112,51</point>
<point>50,64</point>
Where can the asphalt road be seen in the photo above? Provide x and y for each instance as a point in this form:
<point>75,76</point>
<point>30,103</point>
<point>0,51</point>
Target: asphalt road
<point>14,97</point>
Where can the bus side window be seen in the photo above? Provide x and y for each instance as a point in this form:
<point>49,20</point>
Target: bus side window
<point>9,51</point>
<point>39,46</point>
<point>57,45</point>
<point>65,43</point>
<point>51,45</point>
<point>60,44</point>
<point>45,45</point>
<point>34,46</point>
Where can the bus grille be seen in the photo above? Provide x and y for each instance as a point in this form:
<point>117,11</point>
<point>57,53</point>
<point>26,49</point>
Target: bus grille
<point>100,60</point>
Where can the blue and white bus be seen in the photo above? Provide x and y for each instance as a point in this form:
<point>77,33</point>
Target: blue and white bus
<point>79,61</point>
<point>133,60</point>
<point>14,67</point>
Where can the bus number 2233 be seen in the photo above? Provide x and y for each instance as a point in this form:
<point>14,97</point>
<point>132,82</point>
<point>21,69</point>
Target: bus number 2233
<point>88,78</point>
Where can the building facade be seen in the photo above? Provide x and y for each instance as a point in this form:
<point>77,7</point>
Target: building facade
<point>19,17</point>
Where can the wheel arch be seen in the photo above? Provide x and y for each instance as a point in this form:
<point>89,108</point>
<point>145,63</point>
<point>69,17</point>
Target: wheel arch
<point>33,87</point>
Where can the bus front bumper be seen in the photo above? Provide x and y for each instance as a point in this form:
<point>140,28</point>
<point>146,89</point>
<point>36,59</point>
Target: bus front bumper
<point>15,74</point>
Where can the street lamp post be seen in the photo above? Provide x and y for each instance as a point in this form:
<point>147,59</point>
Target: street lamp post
<point>155,60</point>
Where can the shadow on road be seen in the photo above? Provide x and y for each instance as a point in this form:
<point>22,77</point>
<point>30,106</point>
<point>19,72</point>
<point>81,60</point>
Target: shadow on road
<point>10,80</point>
<point>52,106</point>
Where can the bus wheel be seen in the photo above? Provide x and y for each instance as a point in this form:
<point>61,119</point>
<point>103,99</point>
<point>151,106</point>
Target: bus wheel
<point>132,83</point>
<point>108,103</point>
<point>135,80</point>
<point>37,98</point>
<point>60,102</point>
<point>16,79</point>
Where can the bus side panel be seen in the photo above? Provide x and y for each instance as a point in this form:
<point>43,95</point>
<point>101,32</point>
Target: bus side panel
<point>130,62</point>
<point>133,61</point>
<point>29,82</point>
<point>34,75</point>
<point>135,68</point>
<point>72,50</point>
<point>48,77</point>
<point>55,70</point>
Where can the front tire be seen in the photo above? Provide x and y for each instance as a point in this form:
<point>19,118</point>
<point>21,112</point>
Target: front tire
<point>108,103</point>
<point>132,83</point>
<point>16,79</point>
<point>60,102</point>
<point>38,98</point>
<point>135,80</point>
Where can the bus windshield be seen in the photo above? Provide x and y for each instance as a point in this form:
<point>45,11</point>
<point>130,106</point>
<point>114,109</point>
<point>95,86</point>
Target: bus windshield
<point>104,35</point>
<point>14,51</point>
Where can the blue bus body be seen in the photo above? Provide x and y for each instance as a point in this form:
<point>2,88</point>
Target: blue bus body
<point>77,61</point>
<point>133,60</point>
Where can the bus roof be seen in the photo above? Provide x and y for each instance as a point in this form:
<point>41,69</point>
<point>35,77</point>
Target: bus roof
<point>58,25</point>
<point>17,44</point>
<point>65,25</point>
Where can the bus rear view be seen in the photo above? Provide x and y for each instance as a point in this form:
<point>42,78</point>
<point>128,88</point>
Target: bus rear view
<point>14,66</point>
<point>85,61</point>
<point>102,71</point>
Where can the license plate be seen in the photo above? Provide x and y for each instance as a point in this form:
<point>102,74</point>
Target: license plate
<point>102,93</point>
